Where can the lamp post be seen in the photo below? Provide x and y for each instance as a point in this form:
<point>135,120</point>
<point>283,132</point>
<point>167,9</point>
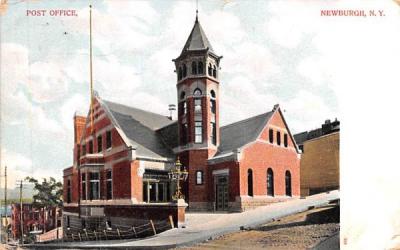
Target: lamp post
<point>178,175</point>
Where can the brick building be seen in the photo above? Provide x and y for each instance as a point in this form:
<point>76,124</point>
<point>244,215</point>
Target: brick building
<point>124,157</point>
<point>34,219</point>
<point>319,166</point>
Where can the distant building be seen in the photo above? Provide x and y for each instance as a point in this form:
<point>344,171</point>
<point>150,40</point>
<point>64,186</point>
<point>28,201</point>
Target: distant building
<point>34,220</point>
<point>319,165</point>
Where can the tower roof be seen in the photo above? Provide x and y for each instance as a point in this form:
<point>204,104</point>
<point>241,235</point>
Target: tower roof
<point>197,39</point>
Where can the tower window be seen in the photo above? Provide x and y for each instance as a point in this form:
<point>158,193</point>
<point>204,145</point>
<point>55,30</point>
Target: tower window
<point>209,70</point>
<point>215,72</point>
<point>198,132</point>
<point>278,138</point>
<point>199,177</point>
<point>183,95</point>
<point>285,140</point>
<point>184,134</point>
<point>213,133</point>
<point>194,68</point>
<point>197,92</point>
<point>184,71</point>
<point>212,93</point>
<point>99,143</point>
<point>182,108</point>
<point>179,73</point>
<point>108,139</point>
<point>200,68</point>
<point>197,105</point>
<point>271,136</point>
<point>212,106</point>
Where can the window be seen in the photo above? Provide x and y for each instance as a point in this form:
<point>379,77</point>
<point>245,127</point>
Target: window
<point>288,183</point>
<point>198,132</point>
<point>108,139</point>
<point>197,105</point>
<point>212,93</point>
<point>212,106</point>
<point>285,140</point>
<point>179,73</point>
<point>183,94</point>
<point>199,177</point>
<point>90,147</point>
<point>271,136</point>
<point>184,133</point>
<point>270,182</point>
<point>213,133</point>
<point>83,149</point>
<point>109,185</point>
<point>215,72</point>
<point>83,178</point>
<point>197,92</point>
<point>200,68</point>
<point>250,182</point>
<point>184,71</point>
<point>69,191</point>
<point>94,193</point>
<point>99,143</point>
<point>278,138</point>
<point>68,222</point>
<point>194,68</point>
<point>209,70</point>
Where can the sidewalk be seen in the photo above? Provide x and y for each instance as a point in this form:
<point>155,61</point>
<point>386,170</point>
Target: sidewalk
<point>201,227</point>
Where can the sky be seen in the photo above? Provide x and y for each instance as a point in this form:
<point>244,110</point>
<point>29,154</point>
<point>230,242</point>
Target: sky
<point>284,52</point>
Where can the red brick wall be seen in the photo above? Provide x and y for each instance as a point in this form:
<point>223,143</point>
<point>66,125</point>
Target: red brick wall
<point>136,182</point>
<point>233,179</point>
<point>71,173</point>
<point>122,180</point>
<point>261,155</point>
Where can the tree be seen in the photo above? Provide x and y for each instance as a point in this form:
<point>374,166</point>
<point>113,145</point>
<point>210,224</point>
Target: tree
<point>48,193</point>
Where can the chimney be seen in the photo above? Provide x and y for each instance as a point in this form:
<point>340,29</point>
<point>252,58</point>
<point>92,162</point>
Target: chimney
<point>79,127</point>
<point>171,108</point>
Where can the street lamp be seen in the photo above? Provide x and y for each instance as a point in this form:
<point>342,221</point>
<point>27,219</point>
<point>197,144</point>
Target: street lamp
<point>178,175</point>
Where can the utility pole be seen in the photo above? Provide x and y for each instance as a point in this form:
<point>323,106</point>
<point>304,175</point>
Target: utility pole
<point>21,211</point>
<point>5,204</point>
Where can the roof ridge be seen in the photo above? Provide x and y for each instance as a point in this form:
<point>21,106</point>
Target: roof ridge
<point>247,119</point>
<point>134,108</point>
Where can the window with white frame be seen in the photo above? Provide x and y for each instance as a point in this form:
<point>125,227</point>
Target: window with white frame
<point>199,177</point>
<point>94,179</point>
<point>198,132</point>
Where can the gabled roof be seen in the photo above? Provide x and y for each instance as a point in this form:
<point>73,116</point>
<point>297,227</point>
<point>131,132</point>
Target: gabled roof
<point>238,134</point>
<point>140,127</point>
<point>197,39</point>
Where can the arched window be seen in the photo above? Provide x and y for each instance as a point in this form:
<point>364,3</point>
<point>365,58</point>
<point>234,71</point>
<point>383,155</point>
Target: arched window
<point>194,68</point>
<point>179,73</point>
<point>285,140</point>
<point>288,183</point>
<point>271,136</point>
<point>212,93</point>
<point>200,68</point>
<point>250,182</point>
<point>215,72</point>
<point>209,70</point>
<point>184,71</point>
<point>197,92</point>
<point>183,95</point>
<point>199,177</point>
<point>278,138</point>
<point>270,182</point>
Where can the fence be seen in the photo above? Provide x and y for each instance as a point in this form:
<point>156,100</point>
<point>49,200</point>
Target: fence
<point>140,231</point>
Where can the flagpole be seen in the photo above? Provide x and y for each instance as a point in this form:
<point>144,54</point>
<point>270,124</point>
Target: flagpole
<point>91,74</point>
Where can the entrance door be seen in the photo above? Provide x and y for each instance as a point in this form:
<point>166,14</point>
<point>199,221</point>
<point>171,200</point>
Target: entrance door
<point>221,193</point>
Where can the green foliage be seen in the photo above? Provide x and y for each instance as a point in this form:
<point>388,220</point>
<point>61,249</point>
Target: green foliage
<point>48,193</point>
<point>11,201</point>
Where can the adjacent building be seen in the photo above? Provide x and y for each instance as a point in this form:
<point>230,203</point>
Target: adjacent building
<point>34,220</point>
<point>319,167</point>
<point>122,155</point>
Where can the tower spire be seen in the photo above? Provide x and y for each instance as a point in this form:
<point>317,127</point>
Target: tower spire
<point>91,73</point>
<point>197,9</point>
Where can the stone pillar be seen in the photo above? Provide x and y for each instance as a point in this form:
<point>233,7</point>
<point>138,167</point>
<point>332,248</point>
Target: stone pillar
<point>182,205</point>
